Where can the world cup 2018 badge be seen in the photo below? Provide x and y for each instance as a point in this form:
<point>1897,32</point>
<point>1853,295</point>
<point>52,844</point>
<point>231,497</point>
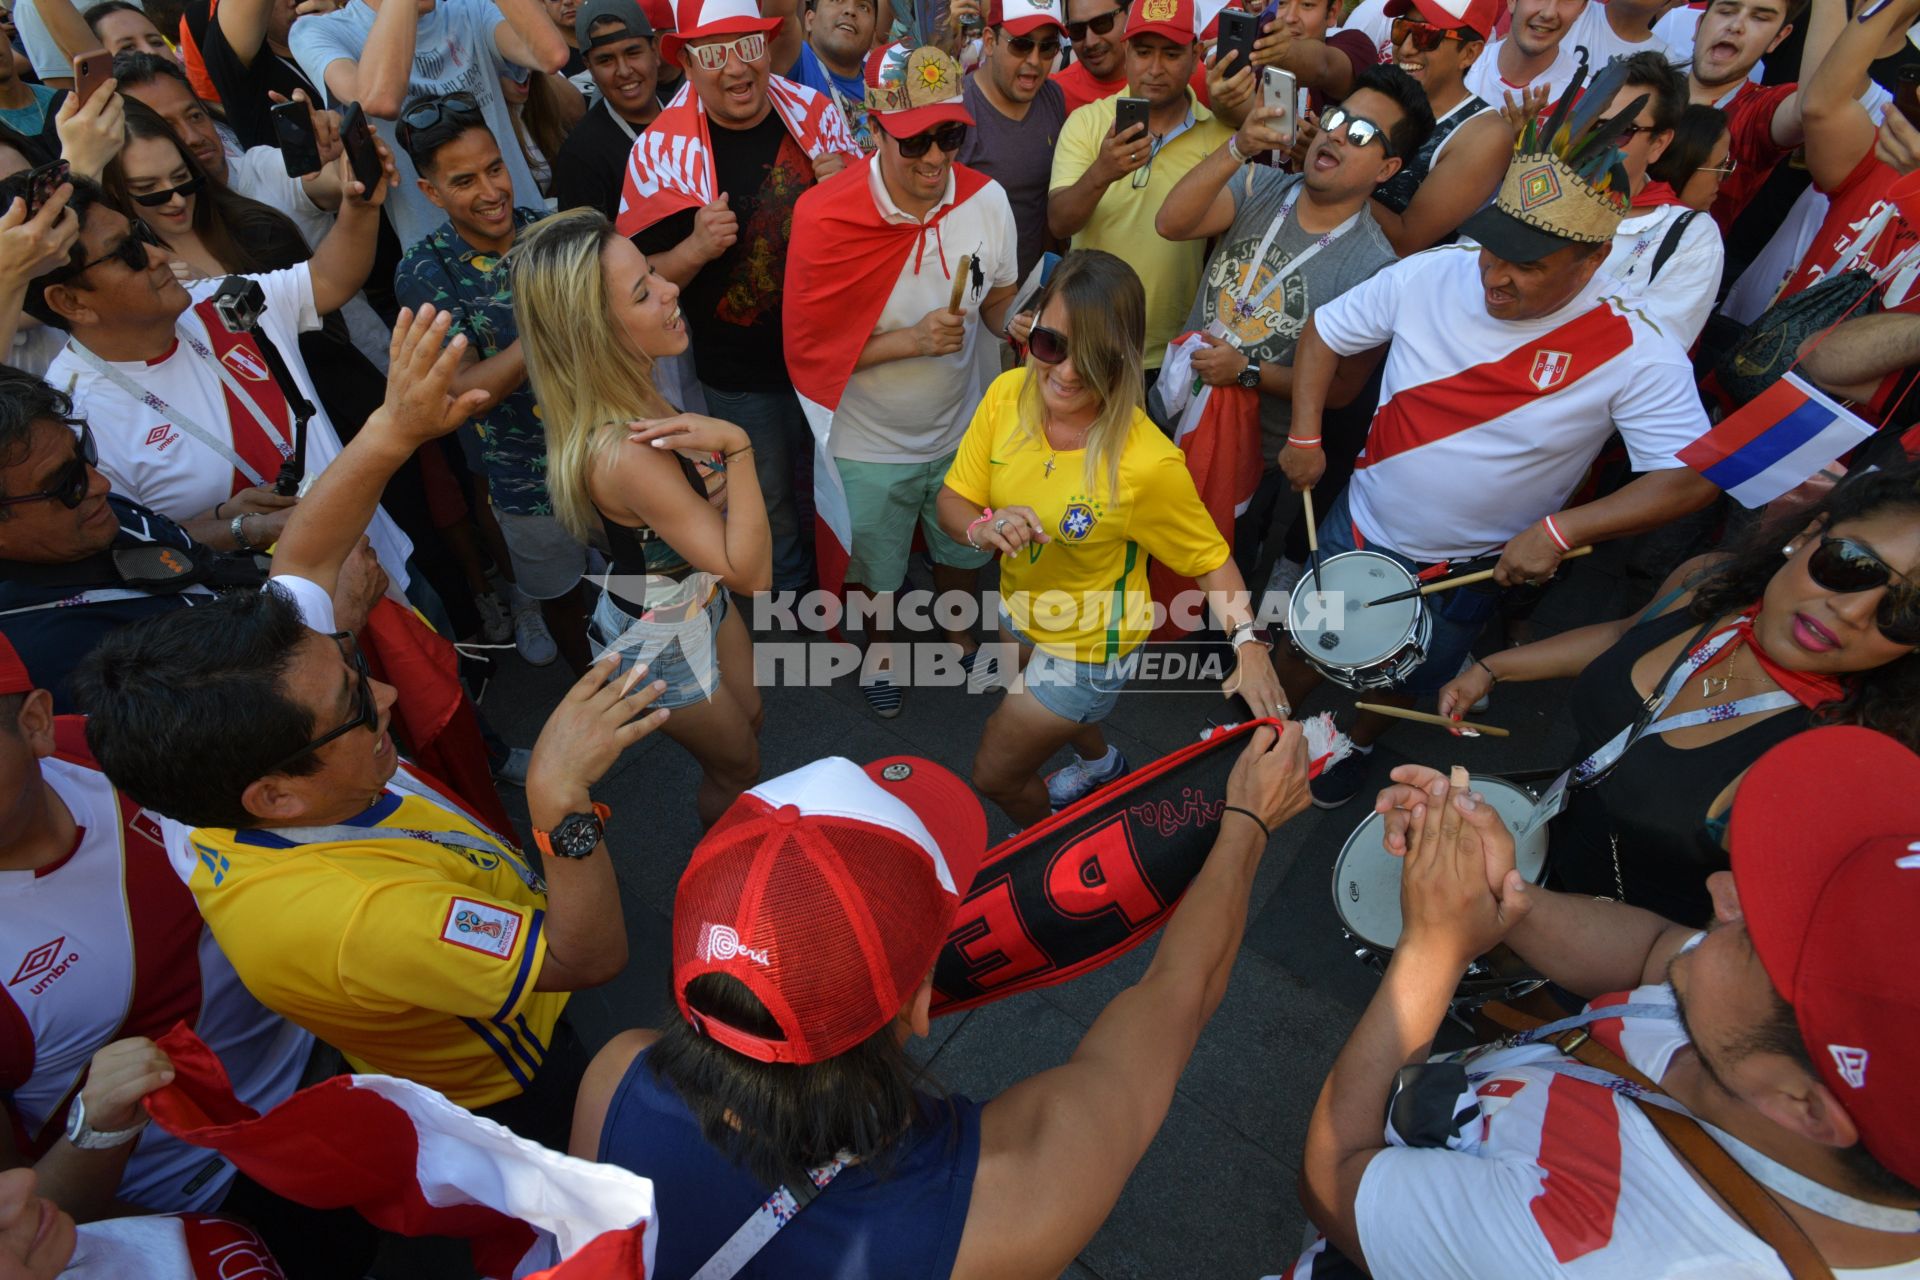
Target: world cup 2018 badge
<point>1077,523</point>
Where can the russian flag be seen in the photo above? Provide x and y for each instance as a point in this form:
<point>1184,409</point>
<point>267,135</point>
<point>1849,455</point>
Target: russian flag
<point>1775,441</point>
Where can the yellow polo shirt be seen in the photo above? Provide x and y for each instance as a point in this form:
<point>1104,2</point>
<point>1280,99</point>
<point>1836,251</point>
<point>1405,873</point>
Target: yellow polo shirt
<point>1122,223</point>
<point>414,956</point>
<point>1084,594</point>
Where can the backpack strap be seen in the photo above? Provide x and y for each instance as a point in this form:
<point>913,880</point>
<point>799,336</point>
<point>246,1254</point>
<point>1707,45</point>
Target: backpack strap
<point>1670,243</point>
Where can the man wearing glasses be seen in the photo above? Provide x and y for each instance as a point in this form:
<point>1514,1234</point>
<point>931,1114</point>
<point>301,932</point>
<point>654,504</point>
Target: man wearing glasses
<point>1108,186</point>
<point>1017,114</point>
<point>1099,67</point>
<point>354,894</point>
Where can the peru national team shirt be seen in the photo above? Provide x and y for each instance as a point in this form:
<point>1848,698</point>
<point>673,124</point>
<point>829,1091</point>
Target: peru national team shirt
<point>1560,1176</point>
<point>1487,425</point>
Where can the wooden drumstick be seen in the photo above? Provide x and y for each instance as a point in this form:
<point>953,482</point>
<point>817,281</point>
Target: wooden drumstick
<point>960,283</point>
<point>1464,580</point>
<point>1403,713</point>
<point>1313,538</point>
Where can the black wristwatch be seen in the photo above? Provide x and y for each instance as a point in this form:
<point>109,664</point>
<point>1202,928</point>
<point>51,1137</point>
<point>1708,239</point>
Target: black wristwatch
<point>576,835</point>
<point>1249,377</point>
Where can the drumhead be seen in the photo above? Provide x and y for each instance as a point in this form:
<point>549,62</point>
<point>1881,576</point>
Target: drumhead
<point>1333,624</point>
<point>1366,878</point>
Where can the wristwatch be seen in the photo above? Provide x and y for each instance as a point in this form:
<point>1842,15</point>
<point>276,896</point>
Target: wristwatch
<point>87,1138</point>
<point>1247,631</point>
<point>574,836</point>
<point>1249,377</point>
<point>238,528</point>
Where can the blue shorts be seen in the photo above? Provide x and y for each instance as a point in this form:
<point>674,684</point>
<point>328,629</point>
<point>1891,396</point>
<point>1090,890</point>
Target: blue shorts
<point>1459,616</point>
<point>684,653</point>
<point>1083,692</point>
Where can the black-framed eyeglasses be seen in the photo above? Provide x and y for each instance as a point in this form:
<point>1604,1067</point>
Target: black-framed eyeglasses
<point>131,251</point>
<point>154,199</point>
<point>365,714</point>
<point>949,137</point>
<point>1425,36</point>
<point>1023,47</point>
<point>68,484</point>
<point>460,109</point>
<point>1077,31</point>
<point>1844,567</point>
<point>1360,130</point>
<point>1048,346</point>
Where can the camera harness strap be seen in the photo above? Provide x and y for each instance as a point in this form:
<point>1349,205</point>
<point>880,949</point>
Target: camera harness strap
<point>222,447</point>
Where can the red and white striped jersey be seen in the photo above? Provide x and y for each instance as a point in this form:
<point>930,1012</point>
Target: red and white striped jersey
<point>1486,425</point>
<point>107,943</point>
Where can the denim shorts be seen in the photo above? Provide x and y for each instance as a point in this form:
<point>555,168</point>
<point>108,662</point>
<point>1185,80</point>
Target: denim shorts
<point>1459,616</point>
<point>685,653</point>
<point>1083,692</point>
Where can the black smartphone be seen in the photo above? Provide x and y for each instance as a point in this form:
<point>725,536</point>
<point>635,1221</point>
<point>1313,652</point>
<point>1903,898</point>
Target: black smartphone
<point>293,134</point>
<point>43,182</point>
<point>1129,112</point>
<point>356,135</point>
<point>1906,92</point>
<point>1238,31</point>
<point>90,71</point>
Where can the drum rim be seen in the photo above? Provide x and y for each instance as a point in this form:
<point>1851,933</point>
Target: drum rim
<point>1410,636</point>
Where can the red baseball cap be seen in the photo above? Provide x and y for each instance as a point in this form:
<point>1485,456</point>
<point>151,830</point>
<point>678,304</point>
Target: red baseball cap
<point>1477,16</point>
<point>701,19</point>
<point>1019,17</point>
<point>909,91</point>
<point>1177,20</point>
<point>1826,858</point>
<point>659,15</point>
<point>828,891</point>
<point>13,672</point>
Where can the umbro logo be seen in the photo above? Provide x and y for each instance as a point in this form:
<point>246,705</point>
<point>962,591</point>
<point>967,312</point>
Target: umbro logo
<point>162,436</point>
<point>1851,1063</point>
<point>44,965</point>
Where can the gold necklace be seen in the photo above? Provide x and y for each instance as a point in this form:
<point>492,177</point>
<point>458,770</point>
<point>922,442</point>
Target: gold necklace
<point>1052,451</point>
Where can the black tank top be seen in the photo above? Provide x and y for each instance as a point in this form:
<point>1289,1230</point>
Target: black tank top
<point>1656,799</point>
<point>1398,191</point>
<point>639,553</point>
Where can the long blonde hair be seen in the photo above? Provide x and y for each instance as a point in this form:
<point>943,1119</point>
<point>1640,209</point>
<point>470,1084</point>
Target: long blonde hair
<point>1107,322</point>
<point>586,379</point>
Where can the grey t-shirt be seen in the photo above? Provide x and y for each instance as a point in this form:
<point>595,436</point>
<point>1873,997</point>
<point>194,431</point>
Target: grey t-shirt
<point>1275,326</point>
<point>453,51</point>
<point>1017,154</point>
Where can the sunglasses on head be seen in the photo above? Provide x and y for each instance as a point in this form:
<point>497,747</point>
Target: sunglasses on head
<point>68,485</point>
<point>1425,36</point>
<point>1077,31</point>
<point>1048,346</point>
<point>154,199</point>
<point>713,56</point>
<point>1360,130</point>
<point>948,137</point>
<point>457,111</point>
<point>366,713</point>
<point>1843,566</point>
<point>1023,47</point>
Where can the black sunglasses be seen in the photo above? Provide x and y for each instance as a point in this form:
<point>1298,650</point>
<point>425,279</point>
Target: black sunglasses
<point>131,251</point>
<point>1077,31</point>
<point>1425,36</point>
<point>69,484</point>
<point>948,137</point>
<point>1023,47</point>
<point>460,109</point>
<point>154,199</point>
<point>1360,130</point>
<point>1843,566</point>
<point>365,714</point>
<point>1048,346</point>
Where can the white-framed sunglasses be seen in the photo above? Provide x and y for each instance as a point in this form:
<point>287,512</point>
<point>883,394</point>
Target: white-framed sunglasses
<point>748,48</point>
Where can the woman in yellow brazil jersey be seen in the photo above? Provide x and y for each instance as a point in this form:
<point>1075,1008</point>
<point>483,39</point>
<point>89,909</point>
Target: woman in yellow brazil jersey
<point>1063,474</point>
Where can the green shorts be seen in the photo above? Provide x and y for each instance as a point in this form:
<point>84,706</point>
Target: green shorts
<point>884,499</point>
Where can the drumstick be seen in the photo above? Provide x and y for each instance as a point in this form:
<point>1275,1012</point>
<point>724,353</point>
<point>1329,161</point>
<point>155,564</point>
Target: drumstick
<point>1402,713</point>
<point>1313,539</point>
<point>1465,579</point>
<point>960,283</point>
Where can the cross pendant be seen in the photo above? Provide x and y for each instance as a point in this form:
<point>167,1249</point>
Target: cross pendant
<point>1048,471</point>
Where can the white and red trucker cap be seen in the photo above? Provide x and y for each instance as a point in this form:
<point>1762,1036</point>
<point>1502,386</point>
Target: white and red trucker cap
<point>827,892</point>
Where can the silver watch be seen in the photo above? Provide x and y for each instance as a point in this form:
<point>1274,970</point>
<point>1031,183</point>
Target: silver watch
<point>239,531</point>
<point>87,1138</point>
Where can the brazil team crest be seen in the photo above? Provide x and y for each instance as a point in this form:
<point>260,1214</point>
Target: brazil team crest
<point>1078,522</point>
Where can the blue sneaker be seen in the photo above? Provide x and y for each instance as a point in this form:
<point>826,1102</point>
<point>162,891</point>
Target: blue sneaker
<point>1082,777</point>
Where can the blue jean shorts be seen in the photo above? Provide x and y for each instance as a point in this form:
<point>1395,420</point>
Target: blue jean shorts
<point>1459,616</point>
<point>685,652</point>
<point>1083,692</point>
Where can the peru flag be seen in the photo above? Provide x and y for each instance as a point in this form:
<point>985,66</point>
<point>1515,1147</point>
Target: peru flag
<point>1774,441</point>
<point>410,1162</point>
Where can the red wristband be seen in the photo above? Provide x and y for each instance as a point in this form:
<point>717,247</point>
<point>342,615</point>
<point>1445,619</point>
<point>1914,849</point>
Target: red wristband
<point>1553,531</point>
<point>1303,442</point>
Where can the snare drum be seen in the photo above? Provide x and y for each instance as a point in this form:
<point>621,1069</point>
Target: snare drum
<point>1366,895</point>
<point>1347,642</point>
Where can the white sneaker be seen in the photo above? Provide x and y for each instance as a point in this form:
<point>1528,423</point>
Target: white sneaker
<point>530,634</point>
<point>496,627</point>
<point>1082,777</point>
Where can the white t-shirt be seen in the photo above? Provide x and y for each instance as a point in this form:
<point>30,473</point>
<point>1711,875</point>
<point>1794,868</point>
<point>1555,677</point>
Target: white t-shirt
<point>1596,35</point>
<point>41,48</point>
<point>1679,300</point>
<point>1560,1176</point>
<point>81,938</point>
<point>151,459</point>
<point>916,410</point>
<point>453,51</point>
<point>1370,19</point>
<point>1484,81</point>
<point>1440,479</point>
